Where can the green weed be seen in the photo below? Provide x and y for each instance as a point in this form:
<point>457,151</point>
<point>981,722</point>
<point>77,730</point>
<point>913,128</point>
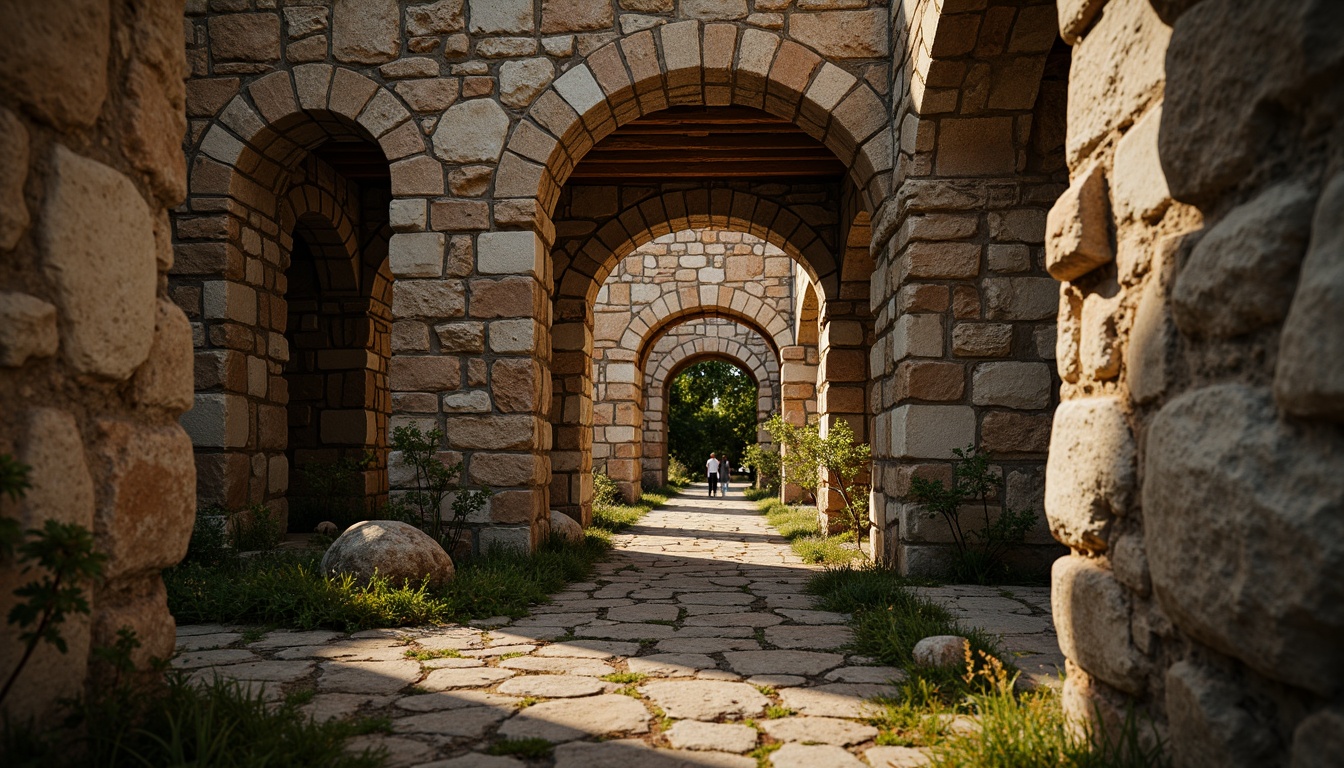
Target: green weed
<point>625,677</point>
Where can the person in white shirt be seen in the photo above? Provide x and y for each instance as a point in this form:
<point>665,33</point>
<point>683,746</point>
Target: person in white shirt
<point>712,470</point>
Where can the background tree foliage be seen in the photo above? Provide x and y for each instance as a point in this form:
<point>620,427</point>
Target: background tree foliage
<point>711,407</point>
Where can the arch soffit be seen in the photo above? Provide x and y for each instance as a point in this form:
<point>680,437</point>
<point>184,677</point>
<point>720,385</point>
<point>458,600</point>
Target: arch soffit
<point>269,126</point>
<point>711,64</point>
<point>664,214</point>
<point>676,307</point>
<point>689,353</point>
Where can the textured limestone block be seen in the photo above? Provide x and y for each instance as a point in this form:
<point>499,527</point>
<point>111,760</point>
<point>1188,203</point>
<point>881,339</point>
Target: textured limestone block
<point>245,37</point>
<point>931,431</point>
<point>521,81</point>
<point>1077,230</point>
<point>982,340</point>
<point>1208,726</point>
<point>1011,385</point>
<point>494,17</point>
<point>438,18</point>
<point>1068,339</point>
<point>1309,378</point>
<point>1150,343</point>
<point>718,10</point>
<point>1090,474</point>
<point>574,16</point>
<point>416,254</point>
<point>37,62</point>
<point>365,31</point>
<point>471,132</point>
<point>1138,185</point>
<point>397,551</point>
<point>1226,478</point>
<point>430,299</point>
<point>166,379</point>
<point>1100,345</point>
<point>62,488</point>
<point>217,420</point>
<point>1020,298</point>
<point>1075,16</point>
<point>917,336</point>
<point>146,482</point>
<point>1241,274</point>
<point>842,34</point>
<point>14,217</point>
<point>1092,620</point>
<point>104,285</point>
<point>1318,741</point>
<point>1114,73</point>
<point>510,253</point>
<point>424,374</point>
<point>27,329</point>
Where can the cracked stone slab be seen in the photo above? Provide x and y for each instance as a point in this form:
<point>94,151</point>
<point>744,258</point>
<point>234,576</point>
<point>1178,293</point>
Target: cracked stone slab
<point>880,675</point>
<point>559,665</point>
<point>782,662</point>
<point>823,637</point>
<point>819,730</point>
<point>432,702</point>
<point>207,641</point>
<point>706,699</point>
<point>671,664</point>
<point>481,677</point>
<point>553,686</point>
<point>368,676</point>
<point>624,753</point>
<point>717,737</point>
<point>283,638</point>
<point>705,645</point>
<point>813,756</point>
<point>194,659</point>
<point>589,649</point>
<point>836,699</point>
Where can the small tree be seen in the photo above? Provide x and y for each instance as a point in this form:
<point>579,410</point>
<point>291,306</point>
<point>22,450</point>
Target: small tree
<point>435,481</point>
<point>980,554</point>
<point>800,454</point>
<point>844,460</point>
<point>765,459</point>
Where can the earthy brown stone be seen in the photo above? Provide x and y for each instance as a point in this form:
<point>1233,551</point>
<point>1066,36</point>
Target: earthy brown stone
<point>245,37</point>
<point>27,329</point>
<point>391,550</point>
<point>13,174</point>
<point>365,31</point>
<point>166,379</point>
<point>1077,235</point>
<point>1090,475</point>
<point>36,67</point>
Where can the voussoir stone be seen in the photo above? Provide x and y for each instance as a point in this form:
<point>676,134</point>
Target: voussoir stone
<point>571,719</point>
<point>393,550</point>
<point>706,699</point>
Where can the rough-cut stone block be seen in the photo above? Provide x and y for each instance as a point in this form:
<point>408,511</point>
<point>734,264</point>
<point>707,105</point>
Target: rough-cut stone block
<point>438,18</point>
<point>1309,378</point>
<point>1225,477</point>
<point>1208,724</point>
<point>1138,184</point>
<point>55,58</point>
<point>917,336</point>
<point>1077,230</point>
<point>166,379</point>
<point>471,132</point>
<point>416,254</point>
<point>245,37</point>
<point>976,146</point>
<point>424,374</point>
<point>105,286</point>
<point>1075,16</point>
<point>1092,620</point>
<point>1090,474</point>
<point>494,17</point>
<point>842,34</point>
<point>430,299</point>
<point>1241,274</point>
<point>14,217</point>
<point>217,420</point>
<point>27,329</point>
<point>510,253</point>
<point>146,496</point>
<point>366,31</point>
<point>1020,298</point>
<point>1011,385</point>
<point>521,81</point>
<point>931,431</point>
<point>574,16</point>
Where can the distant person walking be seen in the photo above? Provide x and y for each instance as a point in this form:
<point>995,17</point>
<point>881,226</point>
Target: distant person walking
<point>725,474</point>
<point>712,470</point>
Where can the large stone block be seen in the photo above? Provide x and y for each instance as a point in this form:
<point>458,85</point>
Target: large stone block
<point>931,431</point>
<point>842,34</point>
<point>14,217</point>
<point>54,59</point>
<point>510,253</point>
<point>1020,298</point>
<point>574,16</point>
<point>1011,385</point>
<point>521,81</point>
<point>438,18</point>
<point>1309,378</point>
<point>146,483</point>
<point>509,17</point>
<point>471,132</point>
<point>1227,483</point>
<point>429,299</point>
<point>1209,728</point>
<point>1090,474</point>
<point>1092,621</point>
<point>27,329</point>
<point>61,487</point>
<point>167,379</point>
<point>1114,73</point>
<point>1138,184</point>
<point>245,37</point>
<point>218,420</point>
<point>1241,274</point>
<point>105,285</point>
<point>365,31</point>
<point>416,254</point>
<point>1077,230</point>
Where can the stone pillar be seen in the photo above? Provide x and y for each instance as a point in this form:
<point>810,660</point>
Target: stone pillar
<point>95,361</point>
<point>571,413</point>
<point>798,403</point>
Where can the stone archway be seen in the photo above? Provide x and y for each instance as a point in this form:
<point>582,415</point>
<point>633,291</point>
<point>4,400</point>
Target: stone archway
<point>671,353</point>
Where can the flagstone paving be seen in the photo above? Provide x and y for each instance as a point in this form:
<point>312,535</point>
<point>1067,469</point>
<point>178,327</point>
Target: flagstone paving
<point>701,605</point>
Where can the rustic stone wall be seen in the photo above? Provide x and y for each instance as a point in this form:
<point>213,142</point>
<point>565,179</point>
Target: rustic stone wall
<point>964,307</point>
<point>668,281</point>
<point>686,344</point>
<point>95,361</point>
<point>1194,463</point>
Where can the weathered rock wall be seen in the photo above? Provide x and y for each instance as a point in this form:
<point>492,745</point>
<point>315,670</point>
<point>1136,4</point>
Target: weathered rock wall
<point>95,361</point>
<point>1195,461</point>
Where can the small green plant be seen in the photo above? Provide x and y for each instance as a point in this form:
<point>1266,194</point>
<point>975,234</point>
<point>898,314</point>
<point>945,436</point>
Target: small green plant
<point>775,711</point>
<point>255,528</point>
<point>420,654</point>
<point>625,677</point>
<point>64,556</point>
<point>979,553</point>
<point>762,753</point>
<point>435,482</point>
<point>800,453</point>
<point>678,474</point>
<point>530,749</point>
<point>209,538</point>
<point>631,691</point>
<point>765,459</point>
<point>605,491</point>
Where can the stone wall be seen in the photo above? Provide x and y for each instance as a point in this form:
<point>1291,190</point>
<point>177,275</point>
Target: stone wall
<point>95,361</point>
<point>1194,463</point>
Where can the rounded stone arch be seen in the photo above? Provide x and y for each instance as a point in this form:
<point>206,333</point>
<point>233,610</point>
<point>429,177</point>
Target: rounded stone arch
<point>661,369</point>
<point>727,302</point>
<point>580,276</point>
<point>710,64</point>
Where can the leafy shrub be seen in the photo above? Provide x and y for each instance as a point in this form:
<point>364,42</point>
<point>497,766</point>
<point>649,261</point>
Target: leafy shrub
<point>605,491</point>
<point>678,474</point>
<point>979,554</point>
<point>766,461</point>
<point>209,537</point>
<point>255,528</point>
<point>435,482</point>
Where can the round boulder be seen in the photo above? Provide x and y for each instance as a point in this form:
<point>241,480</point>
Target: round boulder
<point>564,526</point>
<point>397,551</point>
<point>327,528</point>
<point>941,651</point>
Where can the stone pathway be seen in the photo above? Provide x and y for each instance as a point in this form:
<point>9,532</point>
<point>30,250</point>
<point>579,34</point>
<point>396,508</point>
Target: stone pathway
<point>693,645</point>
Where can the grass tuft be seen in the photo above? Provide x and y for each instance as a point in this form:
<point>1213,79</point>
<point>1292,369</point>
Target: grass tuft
<point>530,749</point>
<point>802,527</point>
<point>625,677</point>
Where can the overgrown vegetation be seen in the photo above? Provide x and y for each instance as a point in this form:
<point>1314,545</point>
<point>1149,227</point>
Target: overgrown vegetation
<point>435,483</point>
<point>330,491</point>
<point>807,458</point>
<point>802,527</point>
<point>766,462</point>
<point>678,474</point>
<point>617,517</point>
<point>1010,729</point>
<point>605,491</point>
<point>980,554</point>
